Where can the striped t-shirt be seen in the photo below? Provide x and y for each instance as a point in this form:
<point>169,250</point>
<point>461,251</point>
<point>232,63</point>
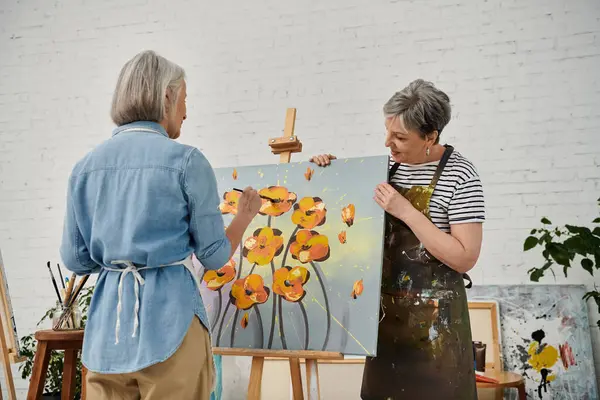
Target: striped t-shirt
<point>458,195</point>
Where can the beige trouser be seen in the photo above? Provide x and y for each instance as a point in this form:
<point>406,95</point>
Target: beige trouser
<point>187,374</point>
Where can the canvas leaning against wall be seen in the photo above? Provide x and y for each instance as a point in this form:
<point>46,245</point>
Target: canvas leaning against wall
<point>546,338</point>
<point>308,271</point>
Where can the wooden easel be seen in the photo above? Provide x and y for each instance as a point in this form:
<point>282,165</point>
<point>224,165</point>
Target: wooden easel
<point>8,335</point>
<point>285,146</point>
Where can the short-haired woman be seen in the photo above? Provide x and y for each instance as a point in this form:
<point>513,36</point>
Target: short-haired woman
<point>435,210</point>
<point>138,206</point>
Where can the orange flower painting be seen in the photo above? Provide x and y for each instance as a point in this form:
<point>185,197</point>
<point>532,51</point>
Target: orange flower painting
<point>309,212</point>
<point>234,175</point>
<point>249,291</point>
<point>309,173</point>
<point>265,244</point>
<point>342,237</point>
<point>357,289</point>
<point>281,201</point>
<point>308,246</point>
<point>215,280</point>
<point>348,214</point>
<point>230,202</point>
<point>289,283</point>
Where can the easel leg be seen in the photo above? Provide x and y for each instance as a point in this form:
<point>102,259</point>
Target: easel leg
<point>7,371</point>
<point>255,378</point>
<point>69,373</point>
<point>296,378</point>
<point>313,388</point>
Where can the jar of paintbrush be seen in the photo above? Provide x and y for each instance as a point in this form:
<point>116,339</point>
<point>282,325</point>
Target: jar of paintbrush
<point>68,314</point>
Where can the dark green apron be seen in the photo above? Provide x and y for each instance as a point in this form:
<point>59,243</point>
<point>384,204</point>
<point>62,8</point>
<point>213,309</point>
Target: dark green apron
<point>424,347</point>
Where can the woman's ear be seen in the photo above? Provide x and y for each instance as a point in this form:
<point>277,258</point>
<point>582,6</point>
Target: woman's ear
<point>433,137</point>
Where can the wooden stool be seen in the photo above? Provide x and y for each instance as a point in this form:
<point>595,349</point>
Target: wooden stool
<point>505,380</point>
<point>69,341</point>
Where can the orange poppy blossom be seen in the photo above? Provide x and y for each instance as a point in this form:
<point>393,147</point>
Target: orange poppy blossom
<point>342,237</point>
<point>234,175</point>
<point>357,289</point>
<point>283,201</point>
<point>308,246</point>
<point>309,212</point>
<point>289,282</point>
<point>265,244</point>
<point>230,202</point>
<point>244,321</point>
<point>348,214</point>
<point>309,174</point>
<point>215,280</point>
<point>249,291</point>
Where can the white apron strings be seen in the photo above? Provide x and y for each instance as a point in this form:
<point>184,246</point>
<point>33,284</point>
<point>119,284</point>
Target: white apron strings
<point>138,280</point>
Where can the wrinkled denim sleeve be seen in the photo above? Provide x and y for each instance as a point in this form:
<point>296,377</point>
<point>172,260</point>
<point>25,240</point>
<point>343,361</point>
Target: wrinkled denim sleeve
<point>73,250</point>
<point>211,245</point>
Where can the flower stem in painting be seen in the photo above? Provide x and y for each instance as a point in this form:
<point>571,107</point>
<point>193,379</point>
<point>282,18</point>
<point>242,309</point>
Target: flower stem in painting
<point>281,331</point>
<point>320,278</point>
<point>234,327</point>
<point>287,248</point>
<point>306,331</point>
<point>261,334</point>
<point>272,331</point>
<point>218,313</point>
<point>239,274</point>
<point>221,324</point>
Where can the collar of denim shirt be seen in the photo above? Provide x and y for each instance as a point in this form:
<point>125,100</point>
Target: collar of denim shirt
<point>141,126</point>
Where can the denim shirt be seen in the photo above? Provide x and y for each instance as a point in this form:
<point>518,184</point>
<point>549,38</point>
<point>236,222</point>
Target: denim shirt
<point>146,199</point>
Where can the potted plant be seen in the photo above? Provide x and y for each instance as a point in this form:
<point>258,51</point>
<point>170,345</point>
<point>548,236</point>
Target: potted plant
<point>55,367</point>
<point>566,245</point>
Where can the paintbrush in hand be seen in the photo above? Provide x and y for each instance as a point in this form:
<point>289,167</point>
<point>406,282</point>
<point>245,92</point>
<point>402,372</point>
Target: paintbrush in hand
<point>261,196</point>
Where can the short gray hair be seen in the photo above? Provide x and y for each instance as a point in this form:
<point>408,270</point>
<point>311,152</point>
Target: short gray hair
<point>142,86</point>
<point>423,107</point>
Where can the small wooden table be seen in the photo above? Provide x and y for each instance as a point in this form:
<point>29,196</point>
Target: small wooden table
<point>69,341</point>
<point>505,380</point>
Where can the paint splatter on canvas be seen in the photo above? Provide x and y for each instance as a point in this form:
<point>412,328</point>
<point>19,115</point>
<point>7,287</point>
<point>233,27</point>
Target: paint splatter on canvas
<point>307,274</point>
<point>546,338</point>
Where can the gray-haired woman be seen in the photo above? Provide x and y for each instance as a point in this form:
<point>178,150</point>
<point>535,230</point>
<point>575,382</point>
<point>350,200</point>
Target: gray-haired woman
<point>138,206</point>
<point>435,210</point>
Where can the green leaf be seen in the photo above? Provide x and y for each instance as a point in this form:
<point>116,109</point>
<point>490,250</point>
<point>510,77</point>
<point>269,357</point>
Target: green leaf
<point>596,221</point>
<point>576,244</point>
<point>578,230</point>
<point>596,231</point>
<point>530,243</point>
<point>565,268</point>
<point>536,275</point>
<point>559,253</point>
<point>588,265</point>
<point>546,221</point>
<point>534,231</point>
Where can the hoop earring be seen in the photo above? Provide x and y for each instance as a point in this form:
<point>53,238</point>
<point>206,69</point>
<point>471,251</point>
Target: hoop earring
<point>427,152</point>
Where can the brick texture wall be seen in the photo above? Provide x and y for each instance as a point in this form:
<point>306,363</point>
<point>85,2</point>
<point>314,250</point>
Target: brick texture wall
<point>522,76</point>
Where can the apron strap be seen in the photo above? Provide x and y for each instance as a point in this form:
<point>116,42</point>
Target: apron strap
<point>392,171</point>
<point>468,278</point>
<point>441,166</point>
<point>138,280</point>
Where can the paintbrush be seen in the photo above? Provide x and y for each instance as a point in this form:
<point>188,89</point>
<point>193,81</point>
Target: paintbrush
<point>77,290</point>
<point>68,312</point>
<point>62,280</point>
<point>261,196</point>
<point>54,283</point>
<point>69,288</point>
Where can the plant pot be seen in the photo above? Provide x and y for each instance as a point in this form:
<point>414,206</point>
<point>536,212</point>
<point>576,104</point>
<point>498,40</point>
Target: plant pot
<point>51,396</point>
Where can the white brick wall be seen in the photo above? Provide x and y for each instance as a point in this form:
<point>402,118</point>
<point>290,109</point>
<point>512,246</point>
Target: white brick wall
<point>523,78</point>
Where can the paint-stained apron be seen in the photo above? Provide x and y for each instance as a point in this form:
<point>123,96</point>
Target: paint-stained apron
<point>424,348</point>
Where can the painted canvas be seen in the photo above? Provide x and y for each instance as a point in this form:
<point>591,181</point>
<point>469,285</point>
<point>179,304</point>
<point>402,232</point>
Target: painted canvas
<point>308,271</point>
<point>545,337</point>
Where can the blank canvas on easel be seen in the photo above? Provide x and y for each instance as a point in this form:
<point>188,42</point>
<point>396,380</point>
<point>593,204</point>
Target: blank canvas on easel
<point>307,275</point>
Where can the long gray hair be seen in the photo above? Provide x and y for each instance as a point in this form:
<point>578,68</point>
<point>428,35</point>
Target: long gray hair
<point>142,87</point>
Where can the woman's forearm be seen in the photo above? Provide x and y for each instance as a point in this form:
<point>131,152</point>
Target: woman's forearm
<point>441,245</point>
<point>235,230</point>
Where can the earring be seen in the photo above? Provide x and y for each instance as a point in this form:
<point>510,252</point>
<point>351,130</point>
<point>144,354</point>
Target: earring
<point>427,152</point>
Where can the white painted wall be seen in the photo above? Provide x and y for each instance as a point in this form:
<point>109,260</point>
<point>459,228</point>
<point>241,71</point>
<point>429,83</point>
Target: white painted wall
<point>523,78</point>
